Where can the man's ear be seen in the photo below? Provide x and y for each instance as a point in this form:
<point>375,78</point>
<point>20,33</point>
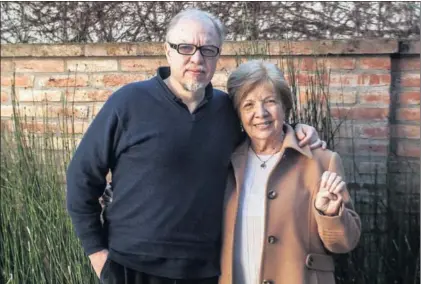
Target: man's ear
<point>167,50</point>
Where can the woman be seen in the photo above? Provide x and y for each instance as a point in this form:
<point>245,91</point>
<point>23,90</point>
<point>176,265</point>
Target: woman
<point>287,207</point>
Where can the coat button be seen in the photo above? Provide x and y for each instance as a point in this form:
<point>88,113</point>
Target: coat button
<point>268,282</point>
<point>272,239</point>
<point>310,261</point>
<point>272,194</point>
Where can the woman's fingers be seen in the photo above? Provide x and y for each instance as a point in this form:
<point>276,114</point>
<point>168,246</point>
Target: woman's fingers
<point>317,144</point>
<point>335,183</point>
<point>327,195</point>
<point>330,180</point>
<point>323,181</point>
<point>339,188</point>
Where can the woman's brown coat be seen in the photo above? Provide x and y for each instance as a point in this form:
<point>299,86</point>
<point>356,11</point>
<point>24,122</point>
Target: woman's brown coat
<point>298,239</point>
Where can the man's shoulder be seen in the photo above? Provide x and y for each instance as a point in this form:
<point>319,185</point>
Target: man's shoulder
<point>135,89</point>
<point>217,92</point>
<point>138,86</point>
<point>221,96</point>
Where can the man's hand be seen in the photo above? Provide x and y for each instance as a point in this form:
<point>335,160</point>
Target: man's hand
<point>329,198</point>
<point>98,260</point>
<point>307,134</point>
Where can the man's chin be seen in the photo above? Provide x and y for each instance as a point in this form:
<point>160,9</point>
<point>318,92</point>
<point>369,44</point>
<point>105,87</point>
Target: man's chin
<point>194,87</point>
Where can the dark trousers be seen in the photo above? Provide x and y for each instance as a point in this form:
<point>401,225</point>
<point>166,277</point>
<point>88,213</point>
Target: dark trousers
<point>114,273</point>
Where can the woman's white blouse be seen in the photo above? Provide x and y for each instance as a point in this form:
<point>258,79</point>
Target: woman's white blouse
<point>250,222</point>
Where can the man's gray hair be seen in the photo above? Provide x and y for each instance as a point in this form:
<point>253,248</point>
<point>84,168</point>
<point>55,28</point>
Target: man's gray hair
<point>197,14</point>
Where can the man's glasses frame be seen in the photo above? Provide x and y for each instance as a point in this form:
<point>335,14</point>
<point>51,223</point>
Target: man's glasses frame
<point>195,48</point>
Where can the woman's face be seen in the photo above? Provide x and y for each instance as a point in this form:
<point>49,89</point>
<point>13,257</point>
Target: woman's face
<point>262,113</point>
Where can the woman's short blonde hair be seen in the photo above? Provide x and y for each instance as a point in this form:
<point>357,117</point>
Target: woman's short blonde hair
<point>253,73</point>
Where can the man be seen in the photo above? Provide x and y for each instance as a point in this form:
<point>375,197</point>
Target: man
<point>167,142</point>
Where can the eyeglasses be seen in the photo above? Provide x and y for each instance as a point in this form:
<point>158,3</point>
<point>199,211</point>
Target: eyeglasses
<point>190,49</point>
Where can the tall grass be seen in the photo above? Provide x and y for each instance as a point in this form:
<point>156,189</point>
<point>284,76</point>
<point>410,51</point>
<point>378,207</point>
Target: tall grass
<point>37,241</point>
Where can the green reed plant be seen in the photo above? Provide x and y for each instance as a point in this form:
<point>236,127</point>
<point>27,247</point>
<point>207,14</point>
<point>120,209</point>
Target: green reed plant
<point>37,241</point>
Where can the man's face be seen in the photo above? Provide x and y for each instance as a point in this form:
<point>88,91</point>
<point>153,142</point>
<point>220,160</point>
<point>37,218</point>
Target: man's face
<point>192,72</point>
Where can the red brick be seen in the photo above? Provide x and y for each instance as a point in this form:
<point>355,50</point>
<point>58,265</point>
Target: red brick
<point>408,114</point>
<point>92,65</point>
<point>78,127</point>
<point>75,127</point>
<point>16,50</point>
<point>309,47</point>
<point>35,65</point>
<point>374,79</point>
<point>116,79</point>
<point>121,79</point>
<point>305,64</point>
<point>360,113</point>
<point>336,96</point>
<point>339,80</point>
<point>406,131</point>
<point>374,96</point>
<point>371,131</point>
<point>372,148</point>
<point>88,95</point>
<point>96,108</point>
<point>340,63</point>
<point>408,149</point>
<point>410,63</point>
<point>408,98</point>
<point>64,143</point>
<point>146,64</point>
<point>372,167</point>
<point>410,80</point>
<point>363,147</point>
<point>55,111</point>
<point>6,65</point>
<point>228,63</point>
<point>379,63</point>
<point>4,97</point>
<point>22,110</point>
<point>57,50</point>
<point>76,111</point>
<point>305,79</point>
<point>111,49</point>
<point>62,81</point>
<point>6,110</point>
<point>220,79</point>
<point>6,80</point>
<point>316,63</point>
<point>40,127</point>
<point>6,125</point>
<point>39,95</point>
<point>20,81</point>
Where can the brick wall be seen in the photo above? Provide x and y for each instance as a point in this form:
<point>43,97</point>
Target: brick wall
<point>375,84</point>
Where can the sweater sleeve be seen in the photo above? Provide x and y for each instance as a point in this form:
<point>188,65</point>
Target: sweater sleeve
<point>339,234</point>
<point>86,176</point>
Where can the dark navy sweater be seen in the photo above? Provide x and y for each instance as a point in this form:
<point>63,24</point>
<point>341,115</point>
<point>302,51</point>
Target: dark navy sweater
<point>169,169</point>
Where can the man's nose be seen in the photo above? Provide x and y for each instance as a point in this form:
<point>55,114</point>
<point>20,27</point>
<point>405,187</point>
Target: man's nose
<point>197,57</point>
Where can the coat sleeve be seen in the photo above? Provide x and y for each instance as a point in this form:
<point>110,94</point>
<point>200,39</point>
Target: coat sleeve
<point>339,234</point>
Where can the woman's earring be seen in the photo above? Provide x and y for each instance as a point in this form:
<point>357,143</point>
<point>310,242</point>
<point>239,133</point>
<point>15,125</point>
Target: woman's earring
<point>242,128</point>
